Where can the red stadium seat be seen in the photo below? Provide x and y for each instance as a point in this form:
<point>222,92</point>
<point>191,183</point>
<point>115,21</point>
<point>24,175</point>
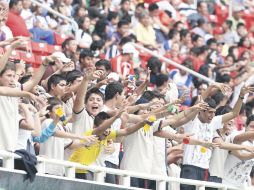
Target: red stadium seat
<point>27,57</point>
<point>38,61</point>
<point>59,38</point>
<point>53,48</point>
<point>15,55</point>
<point>39,48</point>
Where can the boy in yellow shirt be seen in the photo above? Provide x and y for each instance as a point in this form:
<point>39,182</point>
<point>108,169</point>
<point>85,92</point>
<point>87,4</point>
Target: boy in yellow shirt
<point>102,123</point>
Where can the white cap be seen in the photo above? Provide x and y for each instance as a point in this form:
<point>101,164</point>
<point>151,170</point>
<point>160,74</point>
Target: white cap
<point>129,48</point>
<point>61,56</point>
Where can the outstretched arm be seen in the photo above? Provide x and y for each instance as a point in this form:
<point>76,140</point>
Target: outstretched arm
<point>81,93</point>
<point>38,74</point>
<point>131,129</point>
<point>236,110</point>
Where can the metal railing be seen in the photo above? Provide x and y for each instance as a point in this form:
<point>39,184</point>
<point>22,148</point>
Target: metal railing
<point>99,173</point>
<point>179,66</point>
<point>71,20</point>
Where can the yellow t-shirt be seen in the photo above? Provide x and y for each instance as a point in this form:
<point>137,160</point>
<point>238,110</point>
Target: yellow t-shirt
<point>88,155</point>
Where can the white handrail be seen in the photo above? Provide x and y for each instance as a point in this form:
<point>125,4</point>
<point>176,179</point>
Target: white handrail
<point>196,74</point>
<point>72,21</point>
<point>99,172</point>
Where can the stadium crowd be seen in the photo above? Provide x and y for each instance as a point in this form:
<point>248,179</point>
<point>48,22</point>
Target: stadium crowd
<point>98,100</point>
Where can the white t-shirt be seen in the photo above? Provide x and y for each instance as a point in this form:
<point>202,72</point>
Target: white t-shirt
<point>82,122</point>
<point>236,171</point>
<point>23,136</point>
<point>84,38</point>
<point>159,153</point>
<point>9,122</point>
<point>218,158</point>
<point>27,15</point>
<point>53,148</point>
<point>114,158</point>
<point>202,131</point>
<point>138,150</point>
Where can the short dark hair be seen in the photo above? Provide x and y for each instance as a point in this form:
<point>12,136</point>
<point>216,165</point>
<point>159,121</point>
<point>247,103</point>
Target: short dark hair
<point>223,110</point>
<point>172,33</point>
<point>154,62</point>
<point>54,80</point>
<point>97,45</point>
<point>153,7</point>
<point>150,95</point>
<point>229,23</point>
<point>240,25</point>
<point>161,79</point>
<point>67,42</point>
<point>112,15</point>
<point>100,117</point>
<point>71,76</point>
<point>184,33</point>
<point>53,101</point>
<point>122,23</point>
<point>112,89</point>
<point>25,78</point>
<point>223,78</point>
<point>8,66</point>
<point>211,102</point>
<point>12,3</point>
<point>218,97</point>
<point>195,37</point>
<point>86,53</point>
<point>93,91</point>
<point>105,63</point>
<point>211,41</point>
<point>249,119</point>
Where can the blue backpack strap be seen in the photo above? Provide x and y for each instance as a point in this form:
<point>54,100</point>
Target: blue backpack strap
<point>189,80</point>
<point>172,74</point>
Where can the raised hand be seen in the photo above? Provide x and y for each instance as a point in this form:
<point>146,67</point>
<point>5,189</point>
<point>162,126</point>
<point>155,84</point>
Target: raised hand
<point>89,140</point>
<point>246,90</point>
<point>224,88</point>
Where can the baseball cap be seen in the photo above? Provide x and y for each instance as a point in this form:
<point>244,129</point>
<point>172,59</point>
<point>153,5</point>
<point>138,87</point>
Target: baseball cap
<point>61,56</point>
<point>129,48</point>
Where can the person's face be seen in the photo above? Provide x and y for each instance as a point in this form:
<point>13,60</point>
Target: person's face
<point>242,31</point>
<point>114,21</point>
<point>124,30</point>
<point>202,88</point>
<point>213,46</point>
<point>187,38</point>
<point>126,6</point>
<point>176,37</point>
<point>86,23</point>
<point>94,104</point>
<point>207,115</point>
<point>18,8</point>
<point>59,89</point>
<point>200,42</point>
<point>75,84</point>
<point>250,127</point>
<point>87,62</point>
<point>203,9</point>
<point>26,4</point>
<point>53,112</point>
<point>229,126</point>
<point>81,12</point>
<point>105,72</point>
<point>138,11</point>
<point>119,99</point>
<point>175,48</point>
<point>157,105</point>
<point>30,71</point>
<point>72,46</point>
<point>8,79</point>
<point>145,20</point>
<point>246,42</point>
<point>229,60</point>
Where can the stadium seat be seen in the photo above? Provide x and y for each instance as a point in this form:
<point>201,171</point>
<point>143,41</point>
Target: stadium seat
<point>59,38</point>
<point>53,48</point>
<point>38,61</point>
<point>39,48</point>
<point>27,57</point>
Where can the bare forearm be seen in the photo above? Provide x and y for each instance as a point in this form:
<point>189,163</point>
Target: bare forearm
<point>37,125</point>
<point>63,134</point>
<point>131,129</point>
<point>80,97</point>
<point>13,92</point>
<point>4,58</point>
<point>104,126</point>
<point>244,137</point>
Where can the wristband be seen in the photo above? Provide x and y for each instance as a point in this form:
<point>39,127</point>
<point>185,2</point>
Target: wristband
<point>186,140</point>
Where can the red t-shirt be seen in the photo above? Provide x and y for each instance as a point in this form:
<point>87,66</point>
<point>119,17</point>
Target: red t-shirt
<point>122,67</point>
<point>17,25</point>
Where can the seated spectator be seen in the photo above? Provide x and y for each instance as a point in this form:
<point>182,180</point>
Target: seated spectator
<point>83,36</point>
